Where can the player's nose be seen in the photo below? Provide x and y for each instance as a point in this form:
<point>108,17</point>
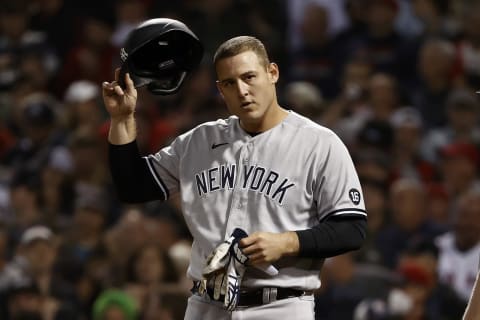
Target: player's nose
<point>242,89</point>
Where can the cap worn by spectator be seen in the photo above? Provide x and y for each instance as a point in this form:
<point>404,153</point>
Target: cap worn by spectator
<point>81,91</point>
<point>376,134</point>
<point>39,114</point>
<point>304,95</point>
<point>36,233</point>
<point>414,273</point>
<point>460,149</point>
<point>115,298</point>
<point>406,117</point>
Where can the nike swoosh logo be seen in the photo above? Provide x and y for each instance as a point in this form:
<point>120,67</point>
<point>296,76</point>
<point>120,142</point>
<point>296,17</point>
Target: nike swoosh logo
<point>216,145</point>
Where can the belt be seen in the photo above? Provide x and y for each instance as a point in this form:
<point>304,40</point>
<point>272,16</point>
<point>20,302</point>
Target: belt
<point>258,296</point>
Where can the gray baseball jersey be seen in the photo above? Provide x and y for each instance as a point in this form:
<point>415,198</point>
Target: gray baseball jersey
<point>288,178</point>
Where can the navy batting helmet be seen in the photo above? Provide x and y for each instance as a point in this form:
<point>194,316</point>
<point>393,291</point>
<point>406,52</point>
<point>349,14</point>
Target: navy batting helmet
<point>159,53</point>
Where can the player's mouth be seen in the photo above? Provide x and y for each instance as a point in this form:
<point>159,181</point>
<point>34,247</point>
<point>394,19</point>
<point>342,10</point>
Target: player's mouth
<point>246,104</point>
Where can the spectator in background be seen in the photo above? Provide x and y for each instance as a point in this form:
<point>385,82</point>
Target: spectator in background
<point>382,98</point>
<point>376,202</point>
<point>468,48</point>
<point>89,171</point>
<point>207,18</point>
<point>458,168</point>
<point>128,14</point>
<point>84,235</point>
<point>268,20</point>
<point>306,99</point>
<point>47,16</point>
<point>202,102</point>
<point>56,189</point>
<point>41,136</point>
<point>434,19</point>
<point>350,101</point>
<point>18,41</point>
<point>82,107</point>
<point>407,156</point>
<point>374,165</point>
<point>356,12</point>
<point>435,80</point>
<point>91,58</point>
<point>431,299</point>
<point>132,231</point>
<point>408,220</point>
<point>179,253</point>
<point>463,111</point>
<point>23,301</point>
<point>459,249</point>
<point>34,264</point>
<point>113,305</point>
<point>375,136</point>
<point>35,72</point>
<point>438,210</point>
<point>346,283</point>
<point>387,50</point>
<point>150,274</point>
<point>315,60</point>
<point>24,204</point>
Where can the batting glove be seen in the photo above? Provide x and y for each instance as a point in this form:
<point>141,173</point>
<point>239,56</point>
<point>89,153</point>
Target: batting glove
<point>235,271</point>
<point>214,273</point>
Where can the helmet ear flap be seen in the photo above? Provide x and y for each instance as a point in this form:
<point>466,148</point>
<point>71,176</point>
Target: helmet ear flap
<point>166,87</point>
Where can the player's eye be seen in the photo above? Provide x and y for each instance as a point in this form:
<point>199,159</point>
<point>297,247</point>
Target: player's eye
<point>250,77</point>
<point>227,83</point>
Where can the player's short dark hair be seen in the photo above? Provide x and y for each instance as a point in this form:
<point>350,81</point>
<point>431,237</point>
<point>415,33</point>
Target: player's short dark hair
<point>241,44</point>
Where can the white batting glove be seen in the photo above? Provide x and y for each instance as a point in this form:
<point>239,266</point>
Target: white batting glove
<point>214,273</point>
<point>218,259</point>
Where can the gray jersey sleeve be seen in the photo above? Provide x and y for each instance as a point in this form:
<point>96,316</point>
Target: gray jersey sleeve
<point>338,191</point>
<point>164,165</point>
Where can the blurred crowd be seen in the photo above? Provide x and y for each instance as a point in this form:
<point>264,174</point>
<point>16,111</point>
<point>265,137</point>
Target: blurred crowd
<point>395,79</point>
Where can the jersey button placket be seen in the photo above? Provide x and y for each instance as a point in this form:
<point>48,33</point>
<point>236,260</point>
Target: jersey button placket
<point>240,204</point>
<point>235,217</point>
<point>246,153</point>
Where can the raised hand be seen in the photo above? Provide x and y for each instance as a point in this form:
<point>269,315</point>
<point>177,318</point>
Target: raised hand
<point>119,103</point>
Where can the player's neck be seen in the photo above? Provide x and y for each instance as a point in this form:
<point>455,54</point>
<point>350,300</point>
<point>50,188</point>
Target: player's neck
<point>270,119</point>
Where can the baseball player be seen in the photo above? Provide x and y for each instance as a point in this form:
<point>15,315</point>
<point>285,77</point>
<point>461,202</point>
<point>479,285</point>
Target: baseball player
<point>267,194</point>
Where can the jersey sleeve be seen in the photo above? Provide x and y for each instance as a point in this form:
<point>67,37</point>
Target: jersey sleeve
<point>338,191</point>
<point>164,166</point>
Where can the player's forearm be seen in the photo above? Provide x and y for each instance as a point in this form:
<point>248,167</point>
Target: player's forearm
<point>291,243</point>
<point>332,237</point>
<point>122,131</point>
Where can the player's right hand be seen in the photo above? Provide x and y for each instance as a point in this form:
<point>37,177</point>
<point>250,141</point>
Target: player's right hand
<point>119,103</point>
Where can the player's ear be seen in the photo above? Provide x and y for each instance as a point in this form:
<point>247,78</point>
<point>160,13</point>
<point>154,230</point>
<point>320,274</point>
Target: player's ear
<point>219,87</point>
<point>273,72</point>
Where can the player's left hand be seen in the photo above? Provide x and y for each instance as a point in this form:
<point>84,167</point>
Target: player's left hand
<point>267,247</point>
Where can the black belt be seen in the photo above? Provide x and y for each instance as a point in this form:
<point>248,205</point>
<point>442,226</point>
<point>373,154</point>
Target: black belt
<point>259,296</point>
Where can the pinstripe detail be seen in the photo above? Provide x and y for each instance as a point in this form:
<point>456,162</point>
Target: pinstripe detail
<point>157,178</point>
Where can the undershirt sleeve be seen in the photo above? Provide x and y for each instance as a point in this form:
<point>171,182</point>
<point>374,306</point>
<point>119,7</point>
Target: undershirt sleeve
<point>332,237</point>
<point>131,175</point>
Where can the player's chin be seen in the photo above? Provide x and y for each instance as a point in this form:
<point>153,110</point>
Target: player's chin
<point>250,115</point>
